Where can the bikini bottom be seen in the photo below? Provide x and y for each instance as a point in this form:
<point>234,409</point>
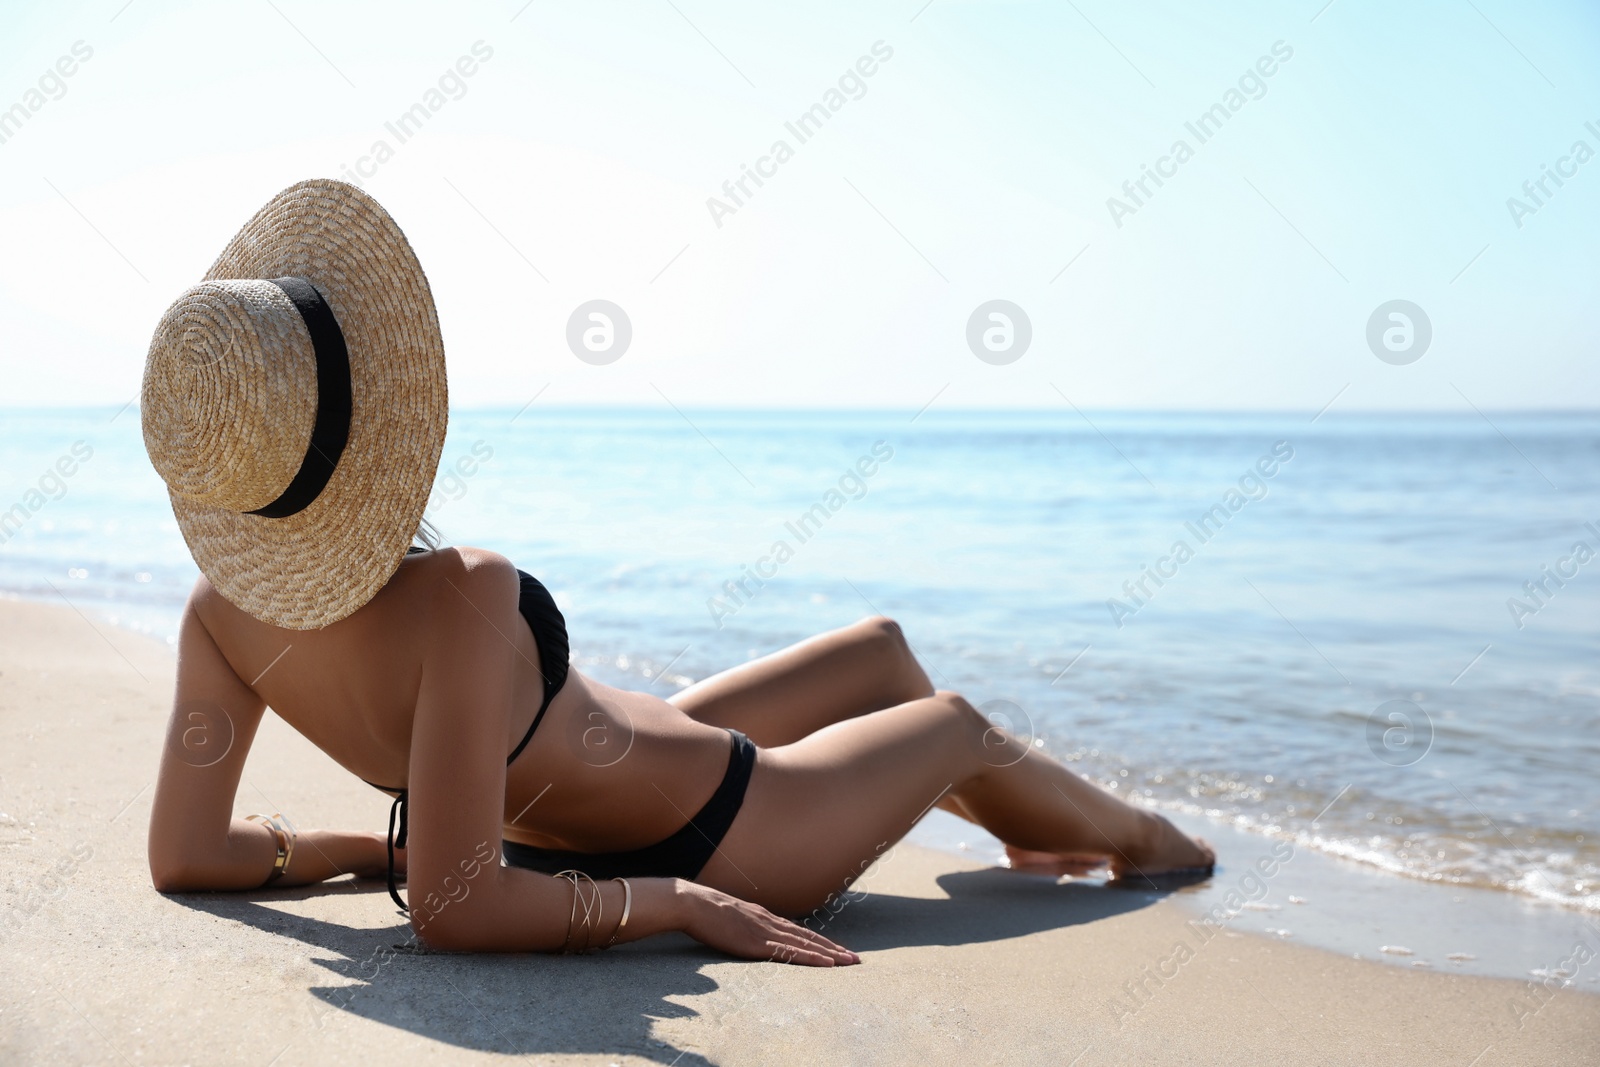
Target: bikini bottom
<point>683,855</point>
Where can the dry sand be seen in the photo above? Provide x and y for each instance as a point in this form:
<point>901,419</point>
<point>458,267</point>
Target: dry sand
<point>962,965</point>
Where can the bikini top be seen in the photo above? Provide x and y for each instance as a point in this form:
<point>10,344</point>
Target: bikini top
<point>549,627</point>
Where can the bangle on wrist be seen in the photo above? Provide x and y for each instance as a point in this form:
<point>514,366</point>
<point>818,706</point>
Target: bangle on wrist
<point>283,836</point>
<point>627,906</point>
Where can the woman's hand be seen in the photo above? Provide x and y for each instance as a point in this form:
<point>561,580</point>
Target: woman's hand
<point>324,854</point>
<point>751,932</point>
<point>375,861</point>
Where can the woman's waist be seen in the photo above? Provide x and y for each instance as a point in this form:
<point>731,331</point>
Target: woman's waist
<point>606,783</point>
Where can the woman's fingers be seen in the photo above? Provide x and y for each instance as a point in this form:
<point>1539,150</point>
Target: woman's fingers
<point>746,929</point>
<point>818,942</point>
<point>800,956</point>
<point>813,945</point>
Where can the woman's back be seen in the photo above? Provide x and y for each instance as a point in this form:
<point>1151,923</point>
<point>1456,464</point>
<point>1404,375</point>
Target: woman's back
<point>351,687</point>
<point>612,769</point>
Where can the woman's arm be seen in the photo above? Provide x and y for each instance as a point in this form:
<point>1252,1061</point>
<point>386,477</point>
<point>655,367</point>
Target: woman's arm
<point>461,897</point>
<point>195,844</point>
<point>323,854</point>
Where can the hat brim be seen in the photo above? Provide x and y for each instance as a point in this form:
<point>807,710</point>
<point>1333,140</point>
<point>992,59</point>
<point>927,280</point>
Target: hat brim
<point>320,565</point>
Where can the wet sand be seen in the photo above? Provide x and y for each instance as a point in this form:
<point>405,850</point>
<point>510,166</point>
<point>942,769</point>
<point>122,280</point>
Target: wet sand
<point>963,964</point>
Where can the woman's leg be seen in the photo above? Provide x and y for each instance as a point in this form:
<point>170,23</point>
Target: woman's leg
<point>819,811</point>
<point>782,697</point>
<point>796,691</point>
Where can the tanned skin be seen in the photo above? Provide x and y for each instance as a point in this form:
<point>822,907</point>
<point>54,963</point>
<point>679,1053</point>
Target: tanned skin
<point>431,685</point>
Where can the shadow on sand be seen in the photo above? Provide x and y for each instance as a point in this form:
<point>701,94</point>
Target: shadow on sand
<point>606,1003</point>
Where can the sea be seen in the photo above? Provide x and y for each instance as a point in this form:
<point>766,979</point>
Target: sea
<point>1374,636</point>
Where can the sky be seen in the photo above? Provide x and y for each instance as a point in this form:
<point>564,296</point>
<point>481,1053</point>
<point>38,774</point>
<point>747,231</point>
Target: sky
<point>983,159</point>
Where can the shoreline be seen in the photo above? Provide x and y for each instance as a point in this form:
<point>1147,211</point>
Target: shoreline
<point>1346,907</point>
<point>963,963</point>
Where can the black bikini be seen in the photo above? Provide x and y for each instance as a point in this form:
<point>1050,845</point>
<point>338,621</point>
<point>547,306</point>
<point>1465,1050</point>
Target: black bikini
<point>682,855</point>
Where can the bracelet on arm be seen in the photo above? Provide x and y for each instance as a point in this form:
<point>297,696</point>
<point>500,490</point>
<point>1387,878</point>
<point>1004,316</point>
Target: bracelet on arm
<point>627,906</point>
<point>570,876</point>
<point>283,836</point>
<point>593,909</point>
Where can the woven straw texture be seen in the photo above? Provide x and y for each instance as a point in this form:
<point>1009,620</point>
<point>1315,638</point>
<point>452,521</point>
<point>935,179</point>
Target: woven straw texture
<point>229,400</point>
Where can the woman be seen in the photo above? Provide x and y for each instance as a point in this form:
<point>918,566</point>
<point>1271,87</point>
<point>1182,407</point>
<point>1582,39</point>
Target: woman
<point>294,402</point>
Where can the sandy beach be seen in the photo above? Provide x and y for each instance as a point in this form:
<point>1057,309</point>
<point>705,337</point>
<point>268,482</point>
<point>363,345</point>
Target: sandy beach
<point>961,964</point>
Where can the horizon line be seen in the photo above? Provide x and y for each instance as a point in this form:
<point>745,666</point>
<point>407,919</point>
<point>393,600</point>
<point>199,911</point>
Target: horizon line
<point>635,408</point>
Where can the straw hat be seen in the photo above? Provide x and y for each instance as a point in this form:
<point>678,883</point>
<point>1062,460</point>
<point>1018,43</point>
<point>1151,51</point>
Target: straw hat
<point>294,402</point>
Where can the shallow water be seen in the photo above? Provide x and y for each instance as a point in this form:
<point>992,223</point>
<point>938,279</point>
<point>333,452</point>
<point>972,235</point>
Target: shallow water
<point>1254,684</point>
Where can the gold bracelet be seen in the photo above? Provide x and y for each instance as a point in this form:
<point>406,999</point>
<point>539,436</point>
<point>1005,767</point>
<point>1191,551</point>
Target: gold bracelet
<point>566,945</point>
<point>593,910</point>
<point>627,907</point>
<point>594,907</point>
<point>283,837</point>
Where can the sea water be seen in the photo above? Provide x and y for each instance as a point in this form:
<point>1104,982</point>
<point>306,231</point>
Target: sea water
<point>1373,635</point>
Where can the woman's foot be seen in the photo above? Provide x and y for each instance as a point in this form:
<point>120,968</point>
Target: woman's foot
<point>1165,852</point>
<point>1077,864</point>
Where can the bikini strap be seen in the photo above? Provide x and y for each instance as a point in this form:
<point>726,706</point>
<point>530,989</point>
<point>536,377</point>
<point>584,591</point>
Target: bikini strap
<point>397,811</point>
<point>544,707</point>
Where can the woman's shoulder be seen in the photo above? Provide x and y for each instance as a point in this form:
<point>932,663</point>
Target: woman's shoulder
<point>463,562</point>
<point>465,556</point>
<point>479,574</point>
<point>464,577</point>
<point>208,606</point>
